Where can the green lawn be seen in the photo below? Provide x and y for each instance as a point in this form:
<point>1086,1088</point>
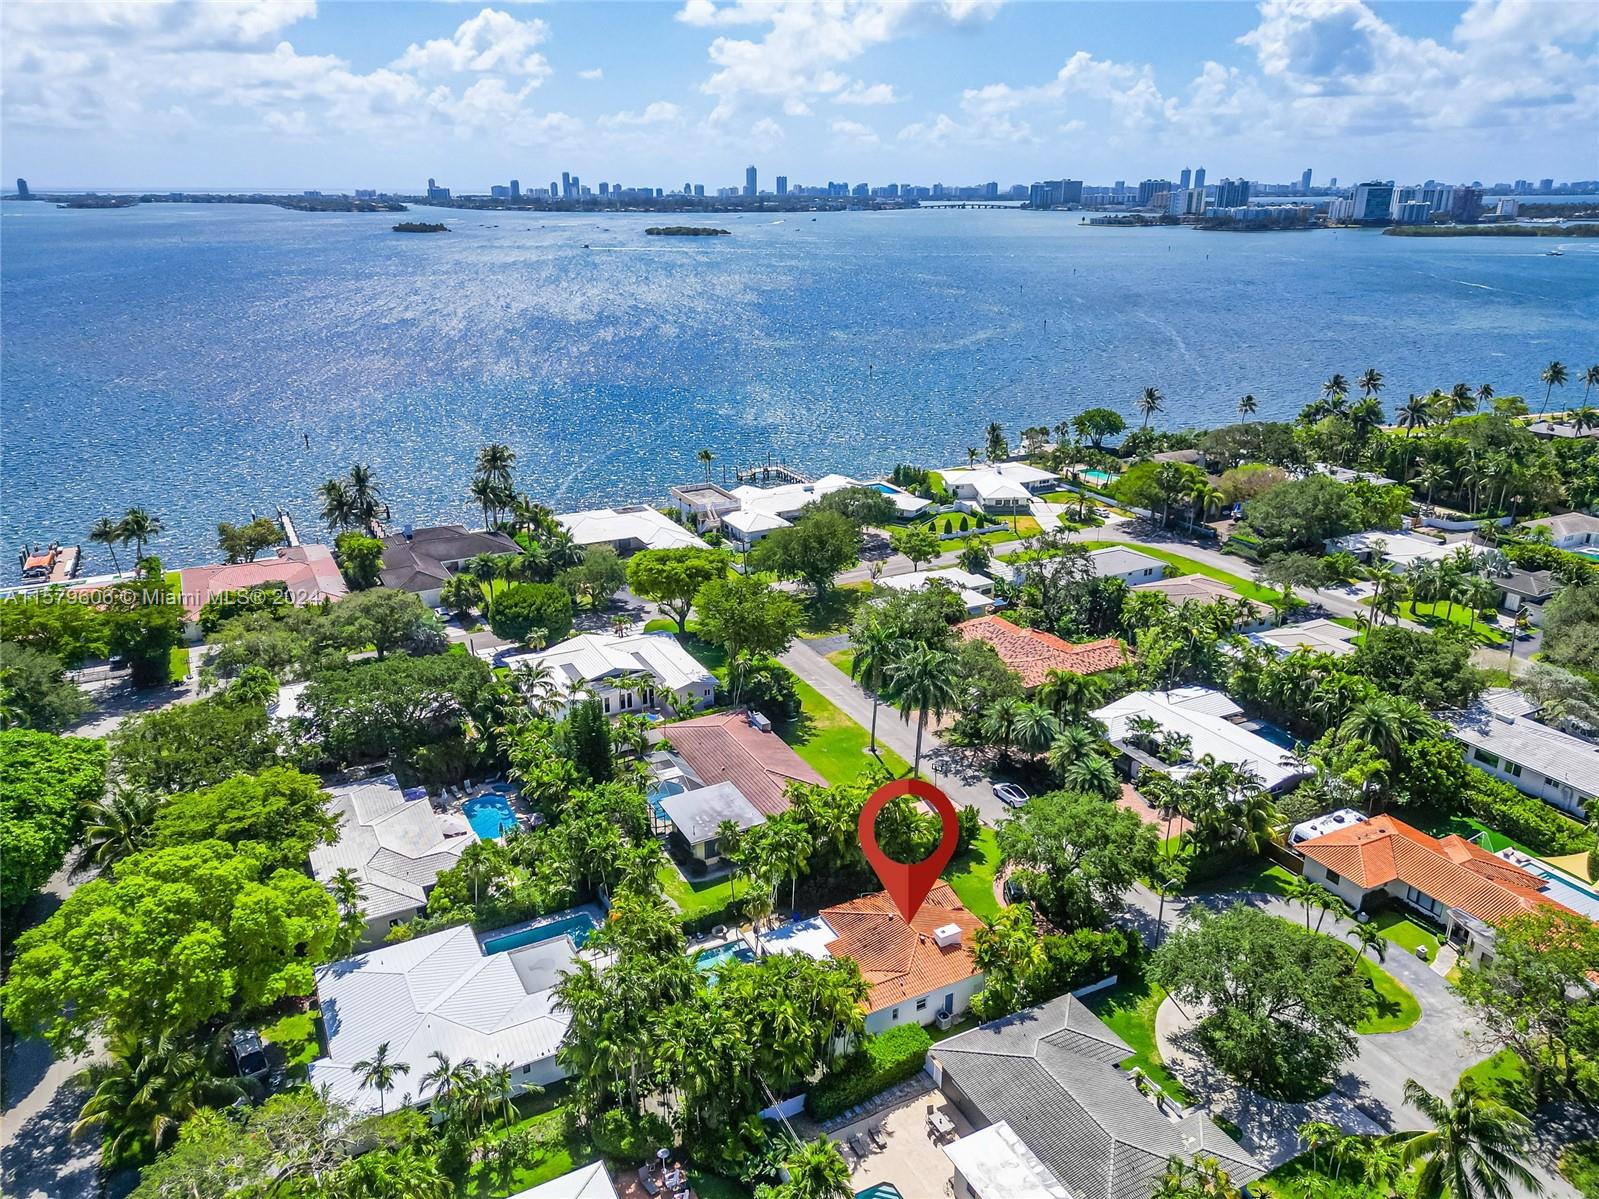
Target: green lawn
<point>831,742</point>
<point>833,611</point>
<point>1407,933</point>
<point>1192,566</point>
<point>1253,874</point>
<point>1438,614</point>
<point>844,659</point>
<point>696,897</point>
<point>178,664</point>
<point>557,1153</point>
<point>1394,1008</point>
<point>971,873</point>
<point>1129,1009</point>
<point>1505,1078</point>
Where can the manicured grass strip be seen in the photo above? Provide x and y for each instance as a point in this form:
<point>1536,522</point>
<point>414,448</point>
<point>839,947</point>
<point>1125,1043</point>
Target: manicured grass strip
<point>1252,874</point>
<point>831,742</point>
<point>1129,1009</point>
<point>1406,933</point>
<point>1394,1008</point>
<point>971,874</point>
<point>178,664</point>
<point>1435,615</point>
<point>1192,566</point>
<point>844,659</point>
<point>557,1153</point>
<point>695,898</point>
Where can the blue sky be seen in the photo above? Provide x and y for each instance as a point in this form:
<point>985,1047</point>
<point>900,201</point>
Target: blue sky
<point>362,93</point>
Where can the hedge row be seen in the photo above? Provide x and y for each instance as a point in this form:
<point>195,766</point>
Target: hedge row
<point>1533,823</point>
<point>879,1063</point>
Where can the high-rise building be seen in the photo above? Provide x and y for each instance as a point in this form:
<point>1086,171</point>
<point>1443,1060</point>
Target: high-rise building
<point>991,190</point>
<point>1304,183</point>
<point>499,192</point>
<point>1185,179</point>
<point>782,185</point>
<point>1372,203</point>
<point>1232,193</point>
<point>1150,188</point>
<point>1546,185</point>
<point>699,189</point>
<point>605,189</point>
<point>577,187</point>
<point>555,189</point>
<point>1199,177</point>
<point>435,192</point>
<point>516,189</point>
<point>1465,206</point>
<point>22,188</point>
<point>749,181</point>
<point>566,185</point>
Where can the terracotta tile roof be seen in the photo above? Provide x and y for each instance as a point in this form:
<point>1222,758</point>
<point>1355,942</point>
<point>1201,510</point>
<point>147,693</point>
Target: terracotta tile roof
<point>1033,654</point>
<point>1453,871</point>
<point>901,961</point>
<point>723,748</point>
<point>309,572</point>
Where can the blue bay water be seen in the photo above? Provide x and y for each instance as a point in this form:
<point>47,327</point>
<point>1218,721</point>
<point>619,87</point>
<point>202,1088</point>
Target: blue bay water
<point>176,356</point>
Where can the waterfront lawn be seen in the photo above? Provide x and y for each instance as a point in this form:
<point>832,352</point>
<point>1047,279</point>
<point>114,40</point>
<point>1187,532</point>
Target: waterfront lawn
<point>1129,1009</point>
<point>831,742</point>
<point>1393,1007</point>
<point>1192,566</point>
<point>971,874</point>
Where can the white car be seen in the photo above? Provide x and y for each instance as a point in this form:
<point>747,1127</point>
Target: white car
<point>1010,794</point>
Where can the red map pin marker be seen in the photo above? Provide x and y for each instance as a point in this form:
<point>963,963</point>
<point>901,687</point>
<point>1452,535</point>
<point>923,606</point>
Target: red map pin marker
<point>908,885</point>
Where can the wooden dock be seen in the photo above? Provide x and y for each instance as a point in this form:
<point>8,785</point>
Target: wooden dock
<point>66,565</point>
<point>770,472</point>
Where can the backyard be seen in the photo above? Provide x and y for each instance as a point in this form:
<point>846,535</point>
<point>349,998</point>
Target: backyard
<point>1436,615</point>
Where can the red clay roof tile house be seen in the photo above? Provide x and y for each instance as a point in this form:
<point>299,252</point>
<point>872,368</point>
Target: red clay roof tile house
<point>1033,654</point>
<point>307,571</point>
<point>726,748</point>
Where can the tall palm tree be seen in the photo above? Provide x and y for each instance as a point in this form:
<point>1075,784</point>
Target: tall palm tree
<point>1149,403</point>
<point>972,455</point>
<point>922,681</point>
<point>495,460</point>
<point>337,508</point>
<point>1473,1150</point>
<point>1585,418</point>
<point>139,527</point>
<point>1590,379</point>
<point>996,442</point>
<point>1248,406</point>
<point>1368,940</point>
<point>1370,381</point>
<point>116,828</point>
<point>999,724</point>
<point>876,650</point>
<point>379,1073</point>
<point>364,496</point>
<point>1336,386</point>
<point>150,1087</point>
<point>108,533</point>
<point>816,1170</point>
<point>706,458</point>
<point>1092,775</point>
<point>1461,398</point>
<point>1415,413</point>
<point>1552,376</point>
<point>1070,695</point>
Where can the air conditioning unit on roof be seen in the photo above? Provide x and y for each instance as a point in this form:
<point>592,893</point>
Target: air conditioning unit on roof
<point>946,935</point>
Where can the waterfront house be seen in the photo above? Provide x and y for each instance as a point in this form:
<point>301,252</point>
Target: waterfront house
<point>452,993</point>
<point>1501,736</point>
<point>631,673</point>
<point>1056,1118</point>
<point>705,504</point>
<point>1206,722</point>
<point>1128,565</point>
<point>697,815</point>
<point>1032,654</point>
<point>1570,530</point>
<point>727,747</point>
<point>916,972</point>
<point>1318,636</point>
<point>1450,881</point>
<point>744,527</point>
<point>1201,589</point>
<point>395,844</point>
<point>421,561</point>
<point>308,573</point>
<point>999,489</point>
<point>976,591</point>
<point>628,529</point>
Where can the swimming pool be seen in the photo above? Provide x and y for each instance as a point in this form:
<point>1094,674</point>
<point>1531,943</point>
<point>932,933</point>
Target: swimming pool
<point>490,814</point>
<point>659,790</point>
<point>886,488</point>
<point>733,951</point>
<point>1566,891</point>
<point>1099,478</point>
<point>579,926</point>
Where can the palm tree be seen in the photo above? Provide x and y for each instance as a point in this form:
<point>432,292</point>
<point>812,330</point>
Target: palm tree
<point>1248,406</point>
<point>338,510</point>
<point>816,1170</point>
<point>706,458</point>
<point>1590,379</point>
<point>1431,475</point>
<point>876,650</point>
<point>1149,403</point>
<point>1370,381</point>
<point>922,681</point>
<point>495,461</point>
<point>1485,392</point>
<point>1585,418</point>
<point>1301,890</point>
<point>364,496</point>
<point>138,526</point>
<point>1552,376</point>
<point>972,455</point>
<point>1369,940</point>
<point>1092,775</point>
<point>116,828</point>
<point>1461,399</point>
<point>447,1080</point>
<point>1069,695</point>
<point>1034,728</point>
<point>149,1089</point>
<point>1474,1148</point>
<point>108,533</point>
<point>999,724</point>
<point>1201,1178</point>
<point>1335,388</point>
<point>997,448</point>
<point>379,1073</point>
<point>1415,413</point>
<point>484,492</point>
<point>1070,746</point>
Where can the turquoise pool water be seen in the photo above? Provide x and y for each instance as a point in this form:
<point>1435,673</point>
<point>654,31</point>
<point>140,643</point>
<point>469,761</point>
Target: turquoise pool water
<point>1098,478</point>
<point>659,790</point>
<point>886,488</point>
<point>578,926</point>
<point>490,815</point>
<point>732,952</point>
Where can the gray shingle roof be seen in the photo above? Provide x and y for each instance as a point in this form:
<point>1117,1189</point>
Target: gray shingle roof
<point>1049,1072</point>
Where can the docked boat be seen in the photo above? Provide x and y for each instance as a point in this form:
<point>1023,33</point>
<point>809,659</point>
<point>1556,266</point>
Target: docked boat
<point>55,563</point>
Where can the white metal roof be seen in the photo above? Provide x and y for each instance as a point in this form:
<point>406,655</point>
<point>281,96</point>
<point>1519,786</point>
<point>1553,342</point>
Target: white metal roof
<point>1014,472</point>
<point>1500,725</point>
<point>976,591</point>
<point>439,992</point>
<point>697,814</point>
<point>996,1165</point>
<point>396,846</point>
<point>1399,548</point>
<point>753,520</point>
<point>1202,714</point>
<point>592,657</point>
<point>1116,560</point>
<point>1323,636</point>
<point>787,500</point>
<point>630,523</point>
<point>585,1182</point>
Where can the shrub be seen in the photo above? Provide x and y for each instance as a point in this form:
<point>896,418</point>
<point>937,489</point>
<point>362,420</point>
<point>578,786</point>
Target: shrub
<point>966,523</point>
<point>1079,958</point>
<point>969,823</point>
<point>628,1138</point>
<point>1522,818</point>
<point>880,1062</point>
<point>523,607</point>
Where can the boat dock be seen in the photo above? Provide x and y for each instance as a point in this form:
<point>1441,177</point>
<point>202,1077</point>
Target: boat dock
<point>290,533</point>
<point>770,472</point>
<point>55,563</point>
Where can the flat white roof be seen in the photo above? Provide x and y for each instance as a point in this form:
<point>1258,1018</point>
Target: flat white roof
<point>809,937</point>
<point>1013,472</point>
<point>1322,636</point>
<point>697,814</point>
<point>976,591</point>
<point>585,1182</point>
<point>593,657</point>
<point>1119,560</point>
<point>996,1165</point>
<point>1202,714</point>
<point>788,499</point>
<point>1400,548</point>
<point>632,522</point>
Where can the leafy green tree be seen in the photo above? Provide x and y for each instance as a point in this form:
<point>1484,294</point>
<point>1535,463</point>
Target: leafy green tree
<point>1302,515</point>
<point>360,557</point>
<point>271,598</point>
<point>596,579</point>
<point>280,808</point>
<point>1010,953</point>
<point>148,1090</point>
<point>813,549</point>
<point>917,542</point>
<point>146,625</point>
<point>521,608</point>
<point>1289,570</point>
<point>72,633</point>
<point>1080,854</point>
<point>243,543</point>
<point>177,938</point>
<point>862,506</point>
<point>588,735</point>
<point>1093,425</point>
<point>38,695</point>
<point>1571,628</point>
<point>388,621</point>
<point>745,614</point>
<point>1433,670</point>
<point>672,578</point>
<point>189,746</point>
<point>1474,1149</point>
<point>45,783</point>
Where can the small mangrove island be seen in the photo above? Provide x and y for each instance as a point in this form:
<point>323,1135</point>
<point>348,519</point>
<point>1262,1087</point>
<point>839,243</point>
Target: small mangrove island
<point>421,227</point>
<point>686,231</point>
<point>1582,230</point>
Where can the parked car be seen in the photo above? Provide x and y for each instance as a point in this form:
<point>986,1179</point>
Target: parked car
<point>1010,794</point>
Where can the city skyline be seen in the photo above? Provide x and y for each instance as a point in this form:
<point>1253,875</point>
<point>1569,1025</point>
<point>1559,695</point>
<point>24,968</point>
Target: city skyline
<point>285,95</point>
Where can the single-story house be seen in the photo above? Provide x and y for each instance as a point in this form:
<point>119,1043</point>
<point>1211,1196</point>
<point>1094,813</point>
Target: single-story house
<point>627,529</point>
<point>1043,1089</point>
<point>586,1182</point>
<point>976,591</point>
<point>790,499</point>
<point>1529,589</point>
<point>1318,636</point>
<point>726,747</point>
<point>1201,589</point>
<point>748,513</point>
<point>1560,429</point>
<point>448,992</point>
<point>1000,488</point>
<point>1032,653</point>
<point>308,573</point>
<point>1459,885</point>
<point>1128,565</point>
<point>1399,549</point>
<point>1501,737</point>
<point>603,661</point>
<point>914,972</point>
<point>1212,723</point>
<point>1570,530</point>
<point>422,560</point>
<point>697,816</point>
<point>396,845</point>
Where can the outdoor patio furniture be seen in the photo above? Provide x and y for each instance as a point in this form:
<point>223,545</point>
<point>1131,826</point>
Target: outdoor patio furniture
<point>646,1179</point>
<point>849,1157</point>
<point>939,1124</point>
<point>858,1143</point>
<point>879,1137</point>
